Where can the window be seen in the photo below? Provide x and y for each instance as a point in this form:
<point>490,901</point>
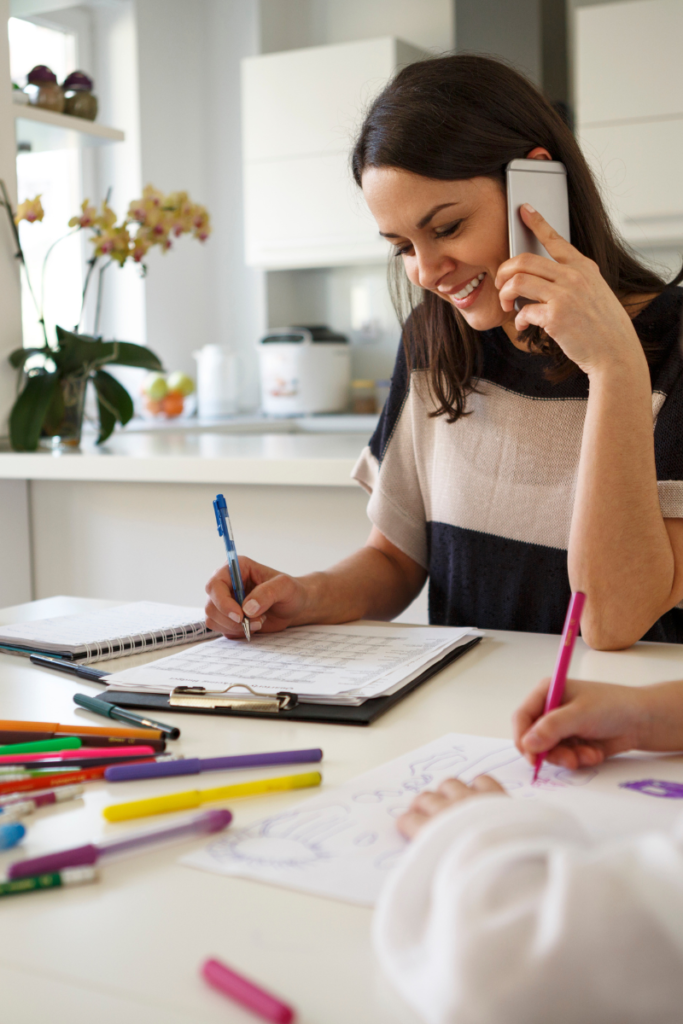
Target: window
<point>57,175</point>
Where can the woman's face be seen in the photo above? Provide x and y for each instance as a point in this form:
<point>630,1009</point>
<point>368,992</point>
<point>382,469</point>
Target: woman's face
<point>451,235</point>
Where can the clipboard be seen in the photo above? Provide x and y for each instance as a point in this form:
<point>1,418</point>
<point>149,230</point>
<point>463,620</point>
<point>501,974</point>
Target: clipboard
<point>332,714</point>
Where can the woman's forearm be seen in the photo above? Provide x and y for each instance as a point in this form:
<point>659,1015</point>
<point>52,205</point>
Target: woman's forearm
<point>370,584</point>
<point>619,549</point>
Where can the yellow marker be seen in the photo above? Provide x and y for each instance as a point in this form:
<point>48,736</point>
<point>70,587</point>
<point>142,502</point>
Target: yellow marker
<point>192,798</point>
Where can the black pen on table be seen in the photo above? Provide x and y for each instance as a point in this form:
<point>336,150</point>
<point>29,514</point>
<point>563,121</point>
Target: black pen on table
<point>100,707</point>
<point>220,508</point>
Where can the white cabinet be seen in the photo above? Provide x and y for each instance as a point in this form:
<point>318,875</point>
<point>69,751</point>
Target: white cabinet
<point>640,169</point>
<point>300,113</point>
<point>629,99</point>
<point>628,60</point>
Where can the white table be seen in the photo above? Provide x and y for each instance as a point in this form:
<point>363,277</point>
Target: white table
<point>129,947</point>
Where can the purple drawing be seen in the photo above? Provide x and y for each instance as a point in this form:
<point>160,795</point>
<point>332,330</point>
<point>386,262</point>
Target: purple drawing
<point>656,787</point>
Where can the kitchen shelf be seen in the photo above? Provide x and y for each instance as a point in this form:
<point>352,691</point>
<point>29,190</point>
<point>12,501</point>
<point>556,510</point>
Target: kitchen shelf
<point>43,130</point>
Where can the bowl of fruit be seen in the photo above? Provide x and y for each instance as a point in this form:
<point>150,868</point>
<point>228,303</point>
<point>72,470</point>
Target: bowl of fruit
<point>168,395</point>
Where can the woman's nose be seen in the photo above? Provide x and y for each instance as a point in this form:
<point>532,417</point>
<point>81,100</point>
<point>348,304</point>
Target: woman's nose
<point>430,267</point>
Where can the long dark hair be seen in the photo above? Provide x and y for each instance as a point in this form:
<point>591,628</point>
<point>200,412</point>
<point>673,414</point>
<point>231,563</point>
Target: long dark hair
<point>468,116</point>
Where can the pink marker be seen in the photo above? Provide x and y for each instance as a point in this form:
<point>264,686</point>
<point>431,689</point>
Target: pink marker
<point>245,992</point>
<point>564,656</point>
<point>81,754</point>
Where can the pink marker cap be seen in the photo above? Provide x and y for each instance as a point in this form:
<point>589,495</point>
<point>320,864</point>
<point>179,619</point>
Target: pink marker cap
<point>245,992</point>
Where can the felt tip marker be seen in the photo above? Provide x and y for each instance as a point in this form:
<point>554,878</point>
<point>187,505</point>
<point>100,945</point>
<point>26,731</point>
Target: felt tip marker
<point>52,880</point>
<point>102,707</point>
<point>243,991</point>
<point>201,824</point>
<point>19,808</point>
<point>192,798</point>
<point>50,781</point>
<point>194,765</point>
<point>564,657</point>
<point>41,746</point>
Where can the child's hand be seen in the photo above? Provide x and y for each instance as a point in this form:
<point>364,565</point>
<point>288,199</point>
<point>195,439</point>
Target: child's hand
<point>428,804</point>
<point>595,721</point>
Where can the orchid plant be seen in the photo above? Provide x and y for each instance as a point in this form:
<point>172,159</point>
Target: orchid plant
<point>54,376</point>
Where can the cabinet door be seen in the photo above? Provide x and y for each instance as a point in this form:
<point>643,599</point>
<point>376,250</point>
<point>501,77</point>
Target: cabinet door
<point>301,111</point>
<point>639,169</point>
<point>307,212</point>
<point>628,60</point>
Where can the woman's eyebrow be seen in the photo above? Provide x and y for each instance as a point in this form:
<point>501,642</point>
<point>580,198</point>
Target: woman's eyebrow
<point>424,221</point>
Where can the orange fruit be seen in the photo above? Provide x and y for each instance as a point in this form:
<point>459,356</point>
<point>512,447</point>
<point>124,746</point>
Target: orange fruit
<point>153,407</point>
<point>172,404</point>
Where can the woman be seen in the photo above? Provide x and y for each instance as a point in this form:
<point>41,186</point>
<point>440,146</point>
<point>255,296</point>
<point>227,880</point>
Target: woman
<point>514,459</point>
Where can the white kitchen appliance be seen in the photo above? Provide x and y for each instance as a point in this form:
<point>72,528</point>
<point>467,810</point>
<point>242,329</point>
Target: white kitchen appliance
<point>304,370</point>
<point>218,382</point>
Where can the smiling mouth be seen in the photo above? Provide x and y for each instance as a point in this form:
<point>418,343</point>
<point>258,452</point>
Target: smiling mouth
<point>467,289</point>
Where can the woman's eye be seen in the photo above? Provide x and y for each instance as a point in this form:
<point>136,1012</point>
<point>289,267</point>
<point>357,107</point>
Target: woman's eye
<point>403,250</point>
<point>449,230</point>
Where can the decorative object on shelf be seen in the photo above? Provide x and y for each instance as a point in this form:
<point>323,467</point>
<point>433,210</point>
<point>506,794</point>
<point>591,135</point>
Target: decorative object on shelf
<point>48,410</point>
<point>78,96</point>
<point>18,95</point>
<point>43,89</point>
<point>165,395</point>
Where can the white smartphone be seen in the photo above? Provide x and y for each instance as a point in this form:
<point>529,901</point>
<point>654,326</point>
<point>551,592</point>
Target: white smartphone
<point>543,184</point>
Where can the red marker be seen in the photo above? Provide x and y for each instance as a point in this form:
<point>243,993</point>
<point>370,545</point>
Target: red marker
<point>49,781</point>
<point>564,656</point>
<point>245,992</point>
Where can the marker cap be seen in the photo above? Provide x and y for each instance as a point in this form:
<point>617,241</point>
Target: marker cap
<point>11,834</point>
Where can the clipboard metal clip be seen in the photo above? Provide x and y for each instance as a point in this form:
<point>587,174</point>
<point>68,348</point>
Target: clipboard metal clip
<point>200,697</point>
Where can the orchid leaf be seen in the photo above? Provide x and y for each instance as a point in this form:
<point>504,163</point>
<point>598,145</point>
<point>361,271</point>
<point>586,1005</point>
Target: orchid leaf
<point>29,411</point>
<point>128,354</point>
<point>20,355</point>
<point>113,402</point>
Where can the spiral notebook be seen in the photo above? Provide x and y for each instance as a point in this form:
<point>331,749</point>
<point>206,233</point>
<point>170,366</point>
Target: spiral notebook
<point>107,633</point>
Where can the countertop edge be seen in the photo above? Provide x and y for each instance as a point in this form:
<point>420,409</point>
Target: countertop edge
<point>323,472</point>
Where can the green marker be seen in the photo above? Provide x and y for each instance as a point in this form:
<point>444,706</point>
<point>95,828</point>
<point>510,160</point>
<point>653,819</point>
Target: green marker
<point>42,746</point>
<point>49,880</point>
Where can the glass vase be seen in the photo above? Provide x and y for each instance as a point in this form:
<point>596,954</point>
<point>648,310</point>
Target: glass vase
<point>64,420</point>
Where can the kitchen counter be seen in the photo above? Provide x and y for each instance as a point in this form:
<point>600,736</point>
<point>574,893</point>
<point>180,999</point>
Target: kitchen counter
<point>133,520</point>
<point>198,456</point>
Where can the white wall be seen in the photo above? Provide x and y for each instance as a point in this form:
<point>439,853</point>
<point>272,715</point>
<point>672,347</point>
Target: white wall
<point>289,24</point>
<point>325,295</point>
<point>189,54</point>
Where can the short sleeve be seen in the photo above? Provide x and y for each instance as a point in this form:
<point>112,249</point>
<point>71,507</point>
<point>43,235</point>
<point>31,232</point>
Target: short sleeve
<point>388,470</point>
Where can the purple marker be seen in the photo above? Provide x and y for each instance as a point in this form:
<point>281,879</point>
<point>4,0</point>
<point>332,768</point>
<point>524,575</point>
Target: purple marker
<point>656,787</point>
<point>194,765</point>
<point>208,821</point>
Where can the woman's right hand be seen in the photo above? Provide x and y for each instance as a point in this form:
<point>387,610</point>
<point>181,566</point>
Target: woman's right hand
<point>273,600</point>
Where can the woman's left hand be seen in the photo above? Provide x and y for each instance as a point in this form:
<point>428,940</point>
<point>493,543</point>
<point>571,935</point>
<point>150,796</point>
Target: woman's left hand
<point>428,804</point>
<point>572,301</point>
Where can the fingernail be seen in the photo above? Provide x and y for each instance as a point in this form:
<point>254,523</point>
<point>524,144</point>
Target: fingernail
<point>255,625</point>
<point>529,207</point>
<point>250,608</point>
<point>234,616</point>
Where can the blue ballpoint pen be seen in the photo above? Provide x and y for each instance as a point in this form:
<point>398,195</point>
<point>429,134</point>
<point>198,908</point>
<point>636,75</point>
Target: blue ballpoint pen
<point>220,507</point>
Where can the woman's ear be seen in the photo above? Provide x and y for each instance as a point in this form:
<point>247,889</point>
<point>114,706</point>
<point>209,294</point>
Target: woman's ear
<point>539,153</point>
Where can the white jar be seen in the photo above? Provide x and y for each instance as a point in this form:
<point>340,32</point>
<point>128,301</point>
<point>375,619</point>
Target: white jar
<point>218,382</point>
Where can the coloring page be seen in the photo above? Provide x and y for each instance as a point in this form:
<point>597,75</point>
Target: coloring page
<point>342,843</point>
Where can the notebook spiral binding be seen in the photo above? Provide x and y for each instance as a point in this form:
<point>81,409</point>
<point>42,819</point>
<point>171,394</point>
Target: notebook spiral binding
<point>119,646</point>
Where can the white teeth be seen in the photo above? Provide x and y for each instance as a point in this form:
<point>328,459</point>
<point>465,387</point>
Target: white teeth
<point>470,286</point>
